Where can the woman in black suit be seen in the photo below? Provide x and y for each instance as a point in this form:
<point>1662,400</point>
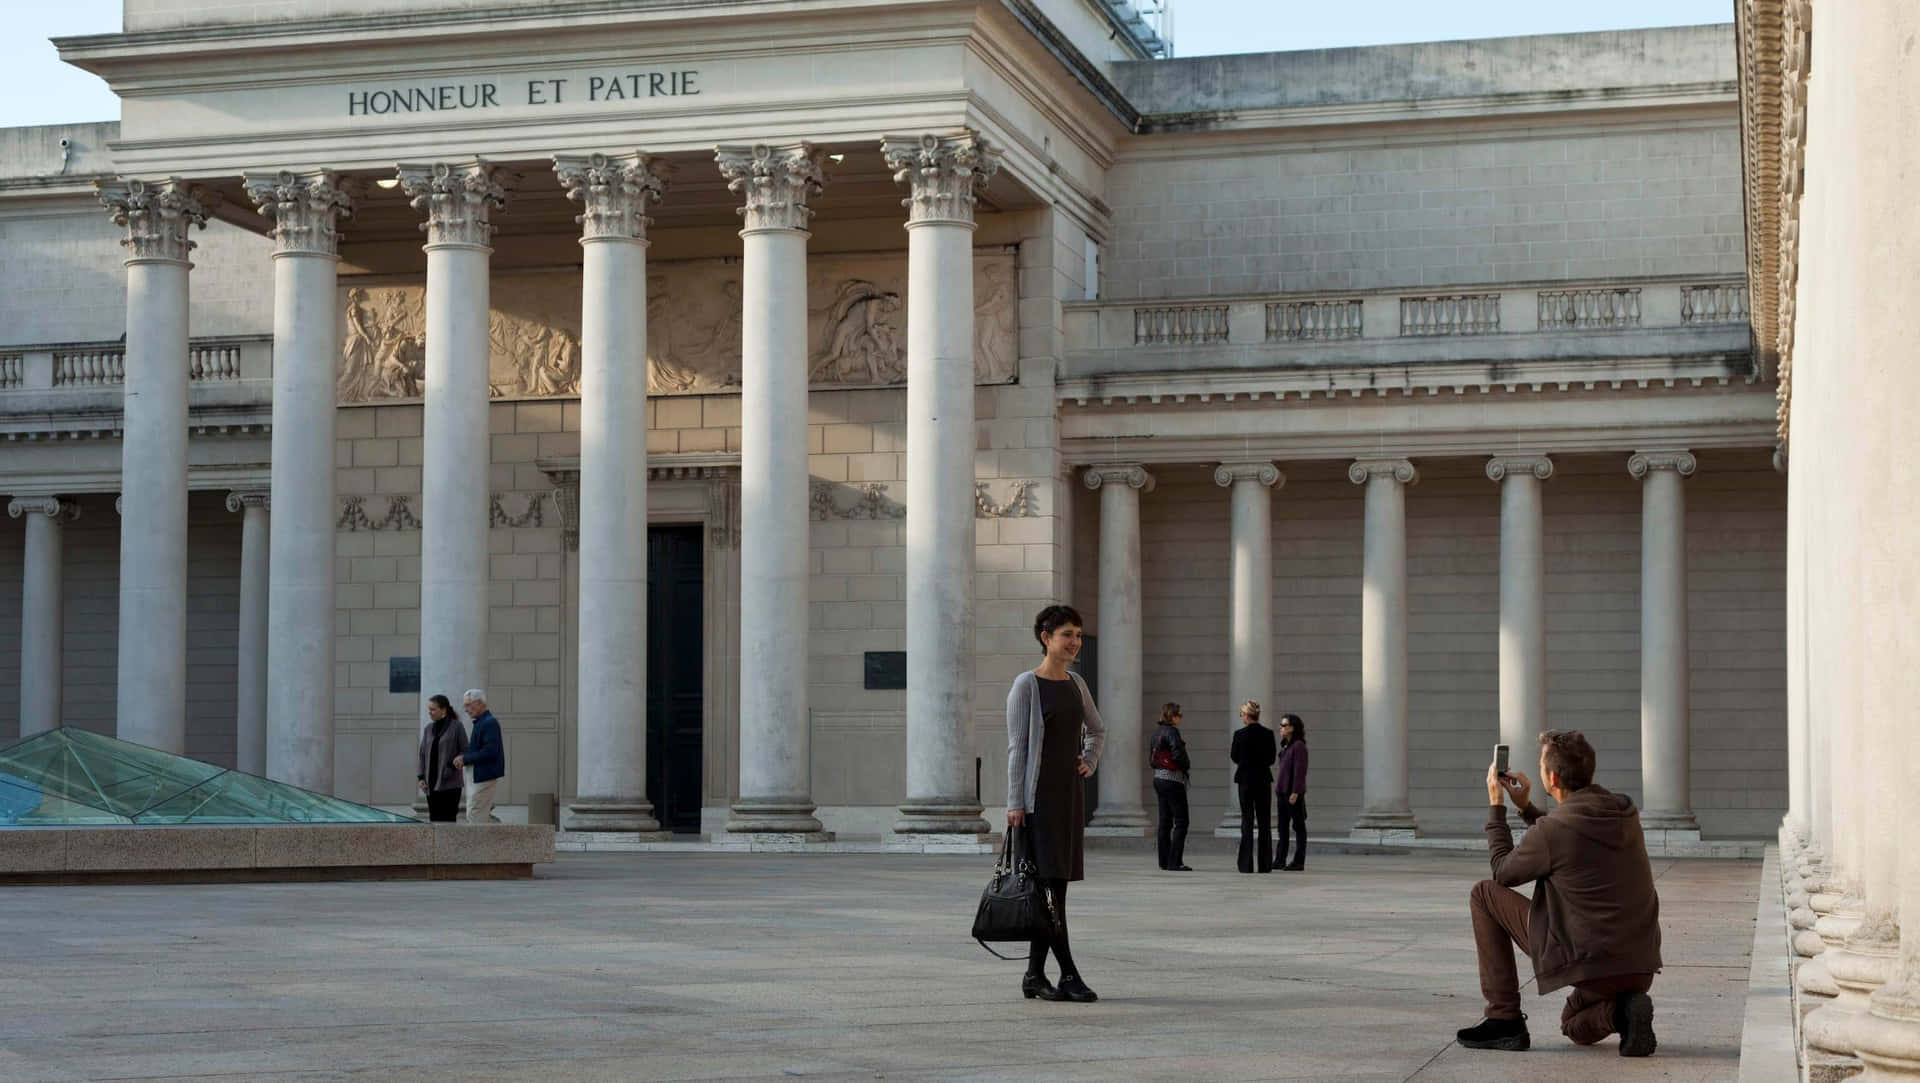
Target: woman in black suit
<point>1253,753</point>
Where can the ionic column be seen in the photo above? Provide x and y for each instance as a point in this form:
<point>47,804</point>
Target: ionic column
<point>1122,806</point>
<point>458,198</point>
<point>42,626</point>
<point>1383,646</point>
<point>250,729</point>
<point>152,694</point>
<point>776,787</point>
<point>943,173</point>
<point>1663,640</point>
<point>293,740</point>
<point>1523,600</point>
<point>613,192</point>
<point>1250,648</point>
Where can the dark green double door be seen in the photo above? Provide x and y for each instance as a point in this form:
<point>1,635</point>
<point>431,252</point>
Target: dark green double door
<point>676,590</point>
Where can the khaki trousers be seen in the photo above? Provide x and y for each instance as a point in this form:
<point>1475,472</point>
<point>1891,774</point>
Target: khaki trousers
<point>1500,922</point>
<point>480,801</point>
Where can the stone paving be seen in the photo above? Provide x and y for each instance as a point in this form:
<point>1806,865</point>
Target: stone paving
<point>720,966</point>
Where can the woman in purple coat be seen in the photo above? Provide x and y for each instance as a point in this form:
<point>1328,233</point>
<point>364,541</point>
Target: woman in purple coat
<point>1290,787</point>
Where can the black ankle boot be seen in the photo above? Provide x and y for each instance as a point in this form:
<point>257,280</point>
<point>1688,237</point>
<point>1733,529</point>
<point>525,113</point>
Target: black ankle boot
<point>1037,985</point>
<point>1508,1034</point>
<point>1633,1021</point>
<point>1072,988</point>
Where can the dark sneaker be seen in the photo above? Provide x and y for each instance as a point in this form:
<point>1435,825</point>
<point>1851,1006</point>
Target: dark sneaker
<point>1633,1018</point>
<point>1508,1034</point>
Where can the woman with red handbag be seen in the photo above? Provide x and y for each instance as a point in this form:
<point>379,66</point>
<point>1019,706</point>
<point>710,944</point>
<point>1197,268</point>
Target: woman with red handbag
<point>1168,755</point>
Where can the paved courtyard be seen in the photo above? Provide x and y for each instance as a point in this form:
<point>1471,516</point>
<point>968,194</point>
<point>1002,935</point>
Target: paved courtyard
<point>720,966</point>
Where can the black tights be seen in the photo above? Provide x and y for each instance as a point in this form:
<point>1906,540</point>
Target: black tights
<point>1062,954</point>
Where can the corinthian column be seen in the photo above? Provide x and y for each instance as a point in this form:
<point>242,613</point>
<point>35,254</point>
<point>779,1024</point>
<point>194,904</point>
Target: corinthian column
<point>942,173</point>
<point>1383,647</point>
<point>152,693</point>
<point>1663,640</point>
<point>613,192</point>
<point>458,199</point>
<point>1523,600</point>
<point>42,624</point>
<point>776,740</point>
<point>293,738</point>
<point>1122,808</point>
<point>1250,649</point>
<point>250,721</point>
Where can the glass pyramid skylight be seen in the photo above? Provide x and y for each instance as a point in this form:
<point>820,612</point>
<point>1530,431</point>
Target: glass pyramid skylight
<point>70,777</point>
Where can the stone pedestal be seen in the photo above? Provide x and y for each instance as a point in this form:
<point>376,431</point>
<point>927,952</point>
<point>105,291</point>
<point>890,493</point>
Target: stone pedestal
<point>459,199</point>
<point>42,616</point>
<point>151,705</point>
<point>1119,696</point>
<point>1386,812</point>
<point>943,174</point>
<point>611,764</point>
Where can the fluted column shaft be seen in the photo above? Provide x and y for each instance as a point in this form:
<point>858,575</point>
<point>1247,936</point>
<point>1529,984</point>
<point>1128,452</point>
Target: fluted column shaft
<point>458,199</point>
<point>776,787</point>
<point>611,749</point>
<point>1121,636</point>
<point>152,679</point>
<point>293,739</point>
<point>1523,601</point>
<point>1664,758</point>
<point>42,622</point>
<point>942,174</point>
<point>1250,643</point>
<point>1383,646</point>
<point>250,714</point>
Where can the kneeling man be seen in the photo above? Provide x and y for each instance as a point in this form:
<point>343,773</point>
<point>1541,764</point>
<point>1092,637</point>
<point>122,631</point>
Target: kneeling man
<point>1594,920</point>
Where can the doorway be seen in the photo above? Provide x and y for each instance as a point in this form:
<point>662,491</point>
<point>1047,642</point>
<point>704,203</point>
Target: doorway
<point>676,593</point>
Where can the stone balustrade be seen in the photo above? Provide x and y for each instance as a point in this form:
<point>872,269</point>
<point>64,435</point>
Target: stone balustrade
<point>10,370</point>
<point>98,365</point>
<point>1450,314</point>
<point>1723,302</point>
<point>1180,325</point>
<point>1289,321</point>
<point>1562,310</point>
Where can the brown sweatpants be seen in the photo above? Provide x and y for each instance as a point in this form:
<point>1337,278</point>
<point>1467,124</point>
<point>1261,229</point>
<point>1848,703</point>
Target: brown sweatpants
<point>1500,922</point>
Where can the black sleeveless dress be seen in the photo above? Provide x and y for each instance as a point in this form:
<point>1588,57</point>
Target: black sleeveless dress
<point>1058,821</point>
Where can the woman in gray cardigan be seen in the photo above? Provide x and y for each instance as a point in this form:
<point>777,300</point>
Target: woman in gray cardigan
<point>442,742</point>
<point>1054,737</point>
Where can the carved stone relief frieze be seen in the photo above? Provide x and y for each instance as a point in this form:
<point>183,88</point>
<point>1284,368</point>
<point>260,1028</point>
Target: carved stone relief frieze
<point>870,501</point>
<point>397,513</point>
<point>1017,505</point>
<point>856,329</point>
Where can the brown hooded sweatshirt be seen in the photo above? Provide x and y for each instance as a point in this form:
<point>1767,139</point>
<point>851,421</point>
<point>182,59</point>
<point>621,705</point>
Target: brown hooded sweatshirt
<point>1595,913</point>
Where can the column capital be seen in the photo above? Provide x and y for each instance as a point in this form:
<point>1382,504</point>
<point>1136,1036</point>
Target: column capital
<point>776,179</point>
<point>942,172</point>
<point>59,509</point>
<point>305,207</point>
<point>1132,475</point>
<point>1498,467</point>
<point>458,198</point>
<point>250,497</point>
<point>1400,470</point>
<point>1265,473</point>
<point>158,216</point>
<point>1643,462</point>
<point>613,191</point>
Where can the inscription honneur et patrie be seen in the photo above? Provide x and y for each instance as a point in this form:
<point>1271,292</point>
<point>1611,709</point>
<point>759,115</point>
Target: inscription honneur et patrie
<point>498,93</point>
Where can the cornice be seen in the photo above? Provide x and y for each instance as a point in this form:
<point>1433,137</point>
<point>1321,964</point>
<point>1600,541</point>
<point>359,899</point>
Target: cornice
<point>210,421</point>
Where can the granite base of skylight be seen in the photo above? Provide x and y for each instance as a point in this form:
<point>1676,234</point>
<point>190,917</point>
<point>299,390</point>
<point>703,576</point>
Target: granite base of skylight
<point>159,854</point>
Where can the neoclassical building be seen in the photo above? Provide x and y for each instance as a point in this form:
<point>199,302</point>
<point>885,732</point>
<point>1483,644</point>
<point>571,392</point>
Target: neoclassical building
<point>724,387</point>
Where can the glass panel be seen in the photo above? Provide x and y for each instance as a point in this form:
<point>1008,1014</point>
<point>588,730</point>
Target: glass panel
<point>71,776</point>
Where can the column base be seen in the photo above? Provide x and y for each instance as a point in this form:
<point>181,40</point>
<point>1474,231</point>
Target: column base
<point>958,818</point>
<point>1120,822</point>
<point>1386,825</point>
<point>614,814</point>
<point>776,816</point>
<point>1680,826</point>
<point>1887,1036</point>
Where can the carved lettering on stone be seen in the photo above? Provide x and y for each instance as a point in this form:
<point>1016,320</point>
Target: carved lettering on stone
<point>856,329</point>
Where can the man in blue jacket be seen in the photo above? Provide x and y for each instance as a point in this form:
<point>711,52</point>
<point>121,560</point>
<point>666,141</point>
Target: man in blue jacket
<point>486,757</point>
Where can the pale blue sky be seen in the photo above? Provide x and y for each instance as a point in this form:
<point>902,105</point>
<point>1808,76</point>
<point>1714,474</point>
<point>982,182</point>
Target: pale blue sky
<point>35,88</point>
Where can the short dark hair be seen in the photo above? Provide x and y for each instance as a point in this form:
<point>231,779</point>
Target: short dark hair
<point>1566,753</point>
<point>1052,619</point>
<point>1299,727</point>
<point>1169,711</point>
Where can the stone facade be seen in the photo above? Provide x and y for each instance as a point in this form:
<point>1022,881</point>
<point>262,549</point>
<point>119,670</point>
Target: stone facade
<point>1163,276</point>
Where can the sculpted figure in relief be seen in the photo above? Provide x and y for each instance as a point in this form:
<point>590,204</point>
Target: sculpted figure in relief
<point>993,331</point>
<point>862,343</point>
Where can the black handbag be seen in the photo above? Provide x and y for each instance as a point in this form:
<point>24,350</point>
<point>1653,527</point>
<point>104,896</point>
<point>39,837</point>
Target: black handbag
<point>1015,905</point>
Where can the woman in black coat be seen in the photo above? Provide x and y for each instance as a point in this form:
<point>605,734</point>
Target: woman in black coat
<point>1167,754</point>
<point>442,743</point>
<point>1253,753</point>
